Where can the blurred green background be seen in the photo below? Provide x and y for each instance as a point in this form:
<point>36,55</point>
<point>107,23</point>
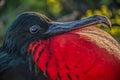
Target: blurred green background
<point>61,10</point>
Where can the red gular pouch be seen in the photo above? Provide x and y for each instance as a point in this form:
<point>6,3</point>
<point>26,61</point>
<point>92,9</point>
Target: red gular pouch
<point>47,50</point>
<point>83,54</point>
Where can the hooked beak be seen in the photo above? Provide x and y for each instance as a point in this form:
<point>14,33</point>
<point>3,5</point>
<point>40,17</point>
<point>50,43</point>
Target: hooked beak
<point>58,28</point>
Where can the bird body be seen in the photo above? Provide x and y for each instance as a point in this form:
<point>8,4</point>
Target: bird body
<point>36,48</point>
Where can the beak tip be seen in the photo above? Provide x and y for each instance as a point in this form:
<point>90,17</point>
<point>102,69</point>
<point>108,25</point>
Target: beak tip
<point>104,20</point>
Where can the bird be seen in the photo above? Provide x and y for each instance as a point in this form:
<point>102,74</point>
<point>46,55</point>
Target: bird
<point>37,48</point>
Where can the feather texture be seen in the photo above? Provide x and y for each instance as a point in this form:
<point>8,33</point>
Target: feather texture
<point>84,54</point>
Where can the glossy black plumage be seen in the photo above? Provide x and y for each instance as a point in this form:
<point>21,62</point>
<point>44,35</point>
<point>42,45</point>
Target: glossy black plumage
<point>14,63</point>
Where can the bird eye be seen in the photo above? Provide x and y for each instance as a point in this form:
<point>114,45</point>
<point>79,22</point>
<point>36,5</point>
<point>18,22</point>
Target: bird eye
<point>34,29</point>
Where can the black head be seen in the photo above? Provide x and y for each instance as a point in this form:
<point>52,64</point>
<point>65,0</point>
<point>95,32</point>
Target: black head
<point>25,28</point>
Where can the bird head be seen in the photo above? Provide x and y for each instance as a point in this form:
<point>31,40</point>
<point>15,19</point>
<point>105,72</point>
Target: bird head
<point>31,27</point>
<point>26,27</point>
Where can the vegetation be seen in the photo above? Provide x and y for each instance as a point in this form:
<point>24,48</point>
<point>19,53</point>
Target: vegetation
<point>61,10</point>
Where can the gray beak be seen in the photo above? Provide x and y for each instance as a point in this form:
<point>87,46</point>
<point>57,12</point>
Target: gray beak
<point>58,28</point>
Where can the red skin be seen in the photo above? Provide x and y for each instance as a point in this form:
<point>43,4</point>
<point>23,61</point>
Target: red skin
<point>77,56</point>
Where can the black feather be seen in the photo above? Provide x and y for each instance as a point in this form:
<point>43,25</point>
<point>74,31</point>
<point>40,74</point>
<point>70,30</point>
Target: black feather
<point>15,61</point>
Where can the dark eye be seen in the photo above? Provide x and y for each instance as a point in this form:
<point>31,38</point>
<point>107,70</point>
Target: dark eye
<point>34,29</point>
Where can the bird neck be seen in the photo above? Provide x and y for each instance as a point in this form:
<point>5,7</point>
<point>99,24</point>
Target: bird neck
<point>35,51</point>
<point>9,60</point>
<point>15,48</point>
<point>36,48</point>
<point>12,54</point>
